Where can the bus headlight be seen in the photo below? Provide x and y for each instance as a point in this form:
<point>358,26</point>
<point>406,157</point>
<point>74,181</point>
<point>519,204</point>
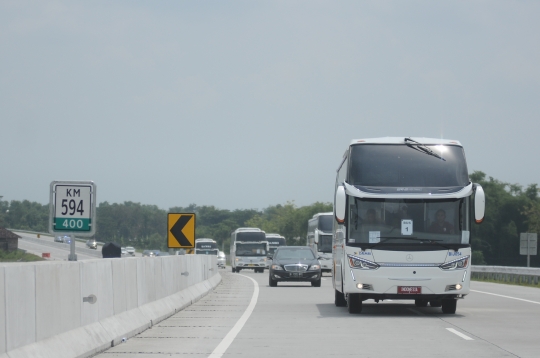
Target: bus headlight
<point>357,262</point>
<point>458,264</point>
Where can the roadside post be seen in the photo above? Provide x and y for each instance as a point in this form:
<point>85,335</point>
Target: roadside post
<point>72,210</point>
<point>528,245</point>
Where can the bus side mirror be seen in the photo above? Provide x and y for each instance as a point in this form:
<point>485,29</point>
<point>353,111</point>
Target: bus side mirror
<point>339,204</point>
<point>316,238</point>
<point>479,203</point>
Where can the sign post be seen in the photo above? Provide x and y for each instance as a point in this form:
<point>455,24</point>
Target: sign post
<point>528,245</point>
<point>72,210</point>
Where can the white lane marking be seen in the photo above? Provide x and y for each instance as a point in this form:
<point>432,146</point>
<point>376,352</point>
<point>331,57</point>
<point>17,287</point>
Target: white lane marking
<point>513,298</point>
<point>229,338</point>
<point>415,311</point>
<point>467,338</point>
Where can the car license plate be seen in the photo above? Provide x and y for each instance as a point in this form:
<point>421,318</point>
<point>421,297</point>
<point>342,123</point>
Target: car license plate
<point>297,274</point>
<point>409,290</point>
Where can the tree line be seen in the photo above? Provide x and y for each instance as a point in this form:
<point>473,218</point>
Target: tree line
<point>510,210</point>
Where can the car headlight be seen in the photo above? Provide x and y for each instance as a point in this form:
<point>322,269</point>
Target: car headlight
<point>458,264</point>
<point>357,262</point>
<point>277,268</point>
<point>315,267</point>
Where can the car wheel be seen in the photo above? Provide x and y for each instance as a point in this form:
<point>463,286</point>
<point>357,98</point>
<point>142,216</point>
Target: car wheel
<point>435,303</point>
<point>420,303</point>
<point>354,303</point>
<point>271,281</point>
<point>339,299</point>
<point>449,306</point>
<point>316,283</point>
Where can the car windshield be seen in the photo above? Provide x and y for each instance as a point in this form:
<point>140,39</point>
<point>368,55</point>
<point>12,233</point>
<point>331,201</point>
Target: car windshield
<point>292,254</point>
<point>408,221</point>
<point>251,249</point>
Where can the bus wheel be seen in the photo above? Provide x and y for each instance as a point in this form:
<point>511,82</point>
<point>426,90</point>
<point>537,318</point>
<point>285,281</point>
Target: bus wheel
<point>339,299</point>
<point>354,303</point>
<point>316,283</point>
<point>435,303</point>
<point>449,306</point>
<point>420,303</point>
<point>271,281</point>
<point>232,269</point>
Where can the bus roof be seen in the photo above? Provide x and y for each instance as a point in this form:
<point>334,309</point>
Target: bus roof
<point>401,140</point>
<point>274,235</point>
<point>247,229</point>
<point>322,214</point>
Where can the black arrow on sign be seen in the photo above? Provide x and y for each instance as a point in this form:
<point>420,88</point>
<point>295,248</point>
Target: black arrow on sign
<point>177,228</point>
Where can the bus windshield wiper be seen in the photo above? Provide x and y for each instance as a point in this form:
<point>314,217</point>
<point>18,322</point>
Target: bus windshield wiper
<point>422,148</point>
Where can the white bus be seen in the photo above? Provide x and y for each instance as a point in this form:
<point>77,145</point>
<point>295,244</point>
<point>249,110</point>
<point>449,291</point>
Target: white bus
<point>249,249</point>
<point>403,210</point>
<point>319,238</point>
<point>274,241</point>
<point>206,247</point>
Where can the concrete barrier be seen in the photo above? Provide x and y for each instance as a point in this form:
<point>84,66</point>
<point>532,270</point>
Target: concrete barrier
<point>529,275</point>
<point>46,309</point>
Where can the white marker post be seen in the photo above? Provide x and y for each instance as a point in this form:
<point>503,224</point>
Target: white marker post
<point>72,210</point>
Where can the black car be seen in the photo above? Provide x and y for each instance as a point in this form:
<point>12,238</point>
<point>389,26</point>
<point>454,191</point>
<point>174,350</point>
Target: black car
<point>295,264</point>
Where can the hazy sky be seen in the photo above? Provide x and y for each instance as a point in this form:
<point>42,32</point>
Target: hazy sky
<point>246,104</point>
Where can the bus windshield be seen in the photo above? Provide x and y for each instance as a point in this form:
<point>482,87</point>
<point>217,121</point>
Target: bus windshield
<point>408,221</point>
<point>391,165</point>
<point>326,222</point>
<point>250,236</point>
<point>325,244</point>
<point>251,249</point>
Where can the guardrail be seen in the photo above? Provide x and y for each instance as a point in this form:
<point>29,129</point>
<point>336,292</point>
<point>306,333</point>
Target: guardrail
<point>529,275</point>
<point>79,308</point>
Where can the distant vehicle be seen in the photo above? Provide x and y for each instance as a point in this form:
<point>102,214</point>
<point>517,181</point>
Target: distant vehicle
<point>92,244</point>
<point>319,238</point>
<point>206,247</point>
<point>150,253</point>
<point>67,239</point>
<point>243,259</point>
<point>274,241</point>
<point>403,214</point>
<point>163,253</point>
<point>59,239</point>
<point>221,259</point>
<point>295,263</point>
<point>123,251</point>
<point>130,250</point>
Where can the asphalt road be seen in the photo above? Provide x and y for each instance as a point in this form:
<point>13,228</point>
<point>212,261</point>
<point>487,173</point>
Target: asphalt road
<point>244,317</point>
<point>58,251</point>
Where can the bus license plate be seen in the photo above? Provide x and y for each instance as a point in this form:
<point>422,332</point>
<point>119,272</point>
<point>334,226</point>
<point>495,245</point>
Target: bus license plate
<point>408,290</point>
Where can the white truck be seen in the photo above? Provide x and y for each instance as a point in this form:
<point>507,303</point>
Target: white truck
<point>403,210</point>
